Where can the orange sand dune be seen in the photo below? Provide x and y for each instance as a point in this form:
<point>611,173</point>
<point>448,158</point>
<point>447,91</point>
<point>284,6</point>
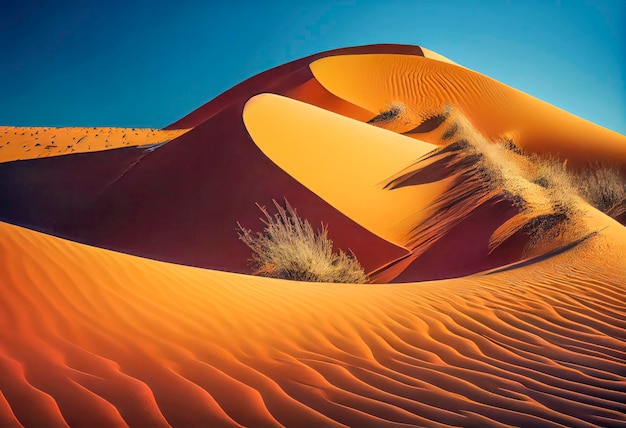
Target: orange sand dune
<point>333,153</point>
<point>181,201</point>
<point>424,86</point>
<point>90,337</point>
<point>330,153</point>
<point>19,143</point>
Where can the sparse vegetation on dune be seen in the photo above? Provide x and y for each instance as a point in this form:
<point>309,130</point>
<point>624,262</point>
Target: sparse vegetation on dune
<point>604,187</point>
<point>541,188</point>
<point>545,192</point>
<point>391,112</point>
<point>289,248</point>
<point>601,185</point>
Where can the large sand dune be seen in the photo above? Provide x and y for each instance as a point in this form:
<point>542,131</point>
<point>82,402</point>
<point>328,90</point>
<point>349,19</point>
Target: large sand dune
<point>425,86</point>
<point>365,140</point>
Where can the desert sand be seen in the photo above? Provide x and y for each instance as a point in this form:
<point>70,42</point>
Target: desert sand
<point>21,143</point>
<point>425,86</point>
<point>126,298</point>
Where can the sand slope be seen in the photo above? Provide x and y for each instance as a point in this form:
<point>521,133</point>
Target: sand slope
<point>181,202</point>
<point>93,337</point>
<point>20,143</point>
<point>425,86</point>
<point>330,153</point>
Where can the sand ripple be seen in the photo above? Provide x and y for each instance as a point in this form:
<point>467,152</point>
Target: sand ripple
<point>94,337</point>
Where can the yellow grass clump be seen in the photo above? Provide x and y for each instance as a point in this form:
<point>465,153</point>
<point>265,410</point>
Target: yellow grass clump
<point>486,171</point>
<point>604,187</point>
<point>289,248</point>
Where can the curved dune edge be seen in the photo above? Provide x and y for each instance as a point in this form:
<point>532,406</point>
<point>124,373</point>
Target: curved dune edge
<point>445,215</point>
<point>311,92</point>
<point>20,143</point>
<point>434,55</point>
<point>92,337</point>
<point>281,79</point>
<point>344,161</point>
<point>425,86</point>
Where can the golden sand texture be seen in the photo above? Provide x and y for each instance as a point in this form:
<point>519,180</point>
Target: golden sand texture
<point>21,143</point>
<point>95,337</point>
<point>424,87</point>
<point>345,161</point>
<point>434,55</point>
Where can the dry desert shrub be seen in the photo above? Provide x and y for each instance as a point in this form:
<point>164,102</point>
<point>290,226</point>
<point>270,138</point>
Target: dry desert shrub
<point>389,113</point>
<point>602,185</point>
<point>604,188</point>
<point>552,174</point>
<point>486,171</point>
<point>541,188</point>
<point>289,248</point>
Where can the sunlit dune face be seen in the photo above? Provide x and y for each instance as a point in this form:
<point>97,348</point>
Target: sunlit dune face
<point>21,143</point>
<point>344,161</point>
<point>417,88</point>
<point>411,94</point>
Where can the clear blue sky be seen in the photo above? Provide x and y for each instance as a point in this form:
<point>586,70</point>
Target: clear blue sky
<point>148,63</point>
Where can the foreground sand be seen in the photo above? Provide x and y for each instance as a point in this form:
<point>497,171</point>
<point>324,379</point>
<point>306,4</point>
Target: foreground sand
<point>95,338</point>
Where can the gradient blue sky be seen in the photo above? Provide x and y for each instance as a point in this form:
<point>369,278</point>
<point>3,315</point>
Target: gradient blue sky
<point>148,63</point>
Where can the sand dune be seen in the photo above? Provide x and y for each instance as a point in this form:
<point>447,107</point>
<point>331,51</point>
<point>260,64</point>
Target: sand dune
<point>192,191</point>
<point>425,86</point>
<point>503,337</point>
<point>94,337</point>
<point>20,143</point>
<point>317,148</point>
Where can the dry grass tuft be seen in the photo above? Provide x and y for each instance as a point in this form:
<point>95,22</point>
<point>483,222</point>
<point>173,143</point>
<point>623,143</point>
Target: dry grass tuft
<point>541,188</point>
<point>289,248</point>
<point>552,174</point>
<point>603,187</point>
<point>391,112</point>
<point>486,171</point>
